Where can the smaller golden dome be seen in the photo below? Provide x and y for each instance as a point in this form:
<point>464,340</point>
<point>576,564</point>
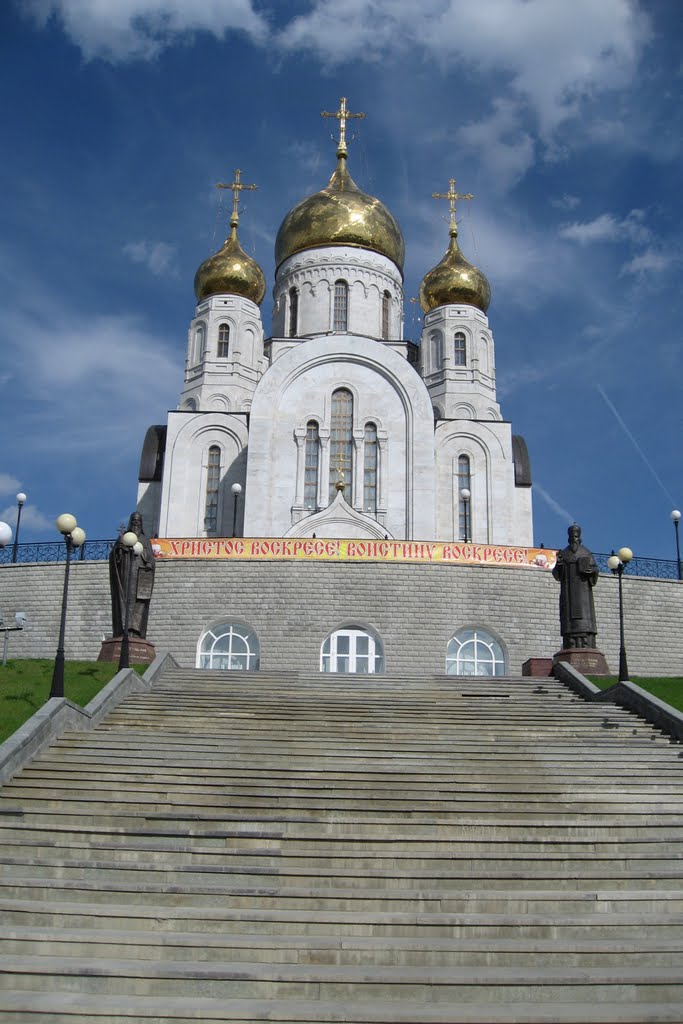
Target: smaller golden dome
<point>230,272</point>
<point>454,280</point>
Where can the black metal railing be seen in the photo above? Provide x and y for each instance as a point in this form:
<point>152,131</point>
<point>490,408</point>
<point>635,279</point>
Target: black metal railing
<point>55,551</point>
<point>98,550</point>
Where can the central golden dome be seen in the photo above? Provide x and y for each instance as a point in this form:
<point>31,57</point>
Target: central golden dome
<point>454,280</point>
<point>340,214</point>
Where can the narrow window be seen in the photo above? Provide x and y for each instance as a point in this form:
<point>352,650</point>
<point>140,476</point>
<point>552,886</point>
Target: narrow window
<point>341,306</point>
<point>464,509</point>
<point>437,350</point>
<point>213,476</point>
<point>341,443</point>
<point>460,349</point>
<point>198,353</point>
<point>223,341</point>
<point>311,465</point>
<point>370,469</point>
<point>293,312</point>
<point>386,305</point>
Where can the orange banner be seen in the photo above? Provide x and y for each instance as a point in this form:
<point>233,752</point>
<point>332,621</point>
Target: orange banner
<point>334,550</point>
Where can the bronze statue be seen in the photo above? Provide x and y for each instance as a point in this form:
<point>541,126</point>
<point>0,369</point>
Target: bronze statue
<point>577,573</point>
<point>120,563</point>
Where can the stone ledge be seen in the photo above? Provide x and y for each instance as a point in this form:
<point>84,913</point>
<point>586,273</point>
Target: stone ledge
<point>627,695</point>
<point>59,715</point>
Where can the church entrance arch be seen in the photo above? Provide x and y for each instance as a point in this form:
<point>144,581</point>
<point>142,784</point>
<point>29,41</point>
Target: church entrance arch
<point>352,650</point>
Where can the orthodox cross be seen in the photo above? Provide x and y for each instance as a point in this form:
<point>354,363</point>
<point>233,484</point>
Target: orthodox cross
<point>342,115</point>
<point>451,196</point>
<point>236,187</point>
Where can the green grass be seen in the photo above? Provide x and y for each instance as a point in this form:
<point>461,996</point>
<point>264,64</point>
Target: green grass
<point>25,686</point>
<point>669,689</point>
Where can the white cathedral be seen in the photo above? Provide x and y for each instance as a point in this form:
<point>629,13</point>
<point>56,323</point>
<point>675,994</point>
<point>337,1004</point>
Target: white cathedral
<point>336,426</point>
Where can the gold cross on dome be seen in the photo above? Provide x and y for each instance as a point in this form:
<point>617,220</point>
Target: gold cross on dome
<point>452,196</point>
<point>342,115</point>
<point>236,187</point>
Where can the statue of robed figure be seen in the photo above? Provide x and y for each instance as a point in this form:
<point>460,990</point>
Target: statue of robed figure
<point>577,573</point>
<point>121,563</point>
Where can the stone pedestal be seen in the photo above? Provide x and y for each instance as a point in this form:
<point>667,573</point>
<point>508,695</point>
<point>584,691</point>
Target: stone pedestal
<point>589,661</point>
<point>141,652</point>
<point>539,668</point>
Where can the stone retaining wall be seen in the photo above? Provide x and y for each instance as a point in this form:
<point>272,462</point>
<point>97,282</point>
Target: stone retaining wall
<point>293,606</point>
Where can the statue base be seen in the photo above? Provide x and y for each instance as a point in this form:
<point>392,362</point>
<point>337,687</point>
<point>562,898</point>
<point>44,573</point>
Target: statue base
<point>589,661</point>
<point>538,668</point>
<point>140,652</point>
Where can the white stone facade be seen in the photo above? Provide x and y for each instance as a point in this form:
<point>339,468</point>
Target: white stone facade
<point>260,414</point>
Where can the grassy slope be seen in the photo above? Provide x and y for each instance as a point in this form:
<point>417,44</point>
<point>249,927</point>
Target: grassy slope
<point>669,689</point>
<point>25,686</point>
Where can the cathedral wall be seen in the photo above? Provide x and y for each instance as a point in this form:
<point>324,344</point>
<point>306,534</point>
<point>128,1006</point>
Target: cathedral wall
<point>415,609</point>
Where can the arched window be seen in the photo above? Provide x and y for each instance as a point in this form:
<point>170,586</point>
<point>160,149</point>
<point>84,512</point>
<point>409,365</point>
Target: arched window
<point>370,469</point>
<point>436,339</point>
<point>230,645</point>
<point>464,507</point>
<point>386,306</point>
<point>341,443</point>
<point>311,465</point>
<point>223,341</point>
<point>340,319</point>
<point>213,480</point>
<point>474,652</point>
<point>352,650</point>
<point>293,312</point>
<point>198,344</point>
<point>460,349</point>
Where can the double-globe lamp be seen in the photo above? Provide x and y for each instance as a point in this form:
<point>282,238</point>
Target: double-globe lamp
<point>617,563</point>
<point>74,537</point>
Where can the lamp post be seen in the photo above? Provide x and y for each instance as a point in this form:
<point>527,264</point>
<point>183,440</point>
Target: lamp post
<point>617,564</point>
<point>21,498</point>
<point>133,547</point>
<point>74,536</point>
<point>465,495</point>
<point>675,516</point>
<point>236,490</point>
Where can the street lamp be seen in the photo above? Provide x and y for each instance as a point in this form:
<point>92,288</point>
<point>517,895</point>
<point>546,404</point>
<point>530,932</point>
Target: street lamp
<point>675,516</point>
<point>5,535</point>
<point>133,547</point>
<point>617,564</point>
<point>236,490</point>
<point>74,536</point>
<point>21,498</point>
<point>465,495</point>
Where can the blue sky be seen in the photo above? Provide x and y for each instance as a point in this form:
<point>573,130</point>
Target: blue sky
<point>563,118</point>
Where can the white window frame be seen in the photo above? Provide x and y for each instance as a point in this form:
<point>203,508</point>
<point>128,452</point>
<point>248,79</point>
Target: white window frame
<point>242,646</point>
<point>340,652</point>
<point>481,650</point>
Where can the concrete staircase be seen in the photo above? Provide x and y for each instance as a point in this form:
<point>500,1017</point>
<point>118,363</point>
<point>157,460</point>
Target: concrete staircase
<point>235,847</point>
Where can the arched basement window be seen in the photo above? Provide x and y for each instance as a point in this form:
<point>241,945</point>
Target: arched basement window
<point>341,443</point>
<point>293,312</point>
<point>474,652</point>
<point>386,306</point>
<point>352,650</point>
<point>213,480</point>
<point>370,469</point>
<point>223,341</point>
<point>230,645</point>
<point>311,465</point>
<point>460,349</point>
<point>464,507</point>
<point>341,306</point>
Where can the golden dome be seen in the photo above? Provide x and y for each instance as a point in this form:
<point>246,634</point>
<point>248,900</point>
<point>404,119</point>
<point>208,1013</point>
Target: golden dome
<point>230,271</point>
<point>454,280</point>
<point>340,215</point>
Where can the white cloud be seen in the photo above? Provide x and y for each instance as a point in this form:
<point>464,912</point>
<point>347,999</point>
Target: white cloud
<point>118,30</point>
<point>566,202</point>
<point>504,149</point>
<point>606,228</point>
<point>553,53</point>
<point>8,484</point>
<point>31,519</point>
<point>158,257</point>
<point>552,504</point>
<point>651,261</point>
